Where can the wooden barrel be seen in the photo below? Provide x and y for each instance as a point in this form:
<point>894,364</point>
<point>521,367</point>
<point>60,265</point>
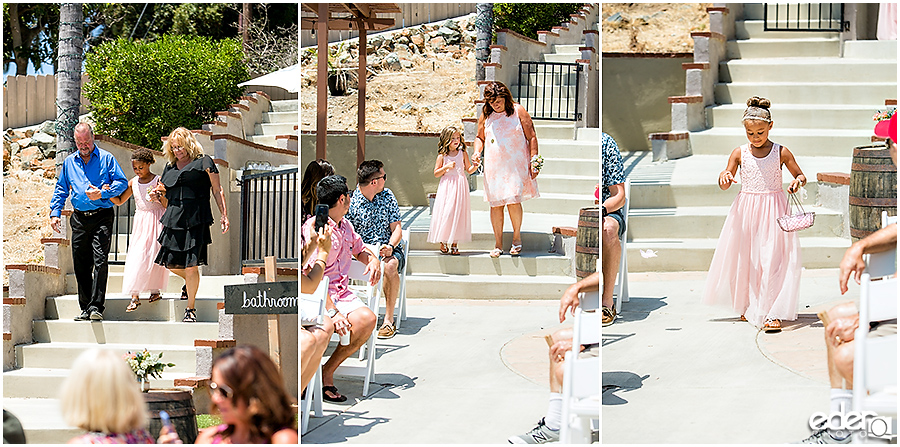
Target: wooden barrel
<point>180,407</point>
<point>873,189</point>
<point>587,241</point>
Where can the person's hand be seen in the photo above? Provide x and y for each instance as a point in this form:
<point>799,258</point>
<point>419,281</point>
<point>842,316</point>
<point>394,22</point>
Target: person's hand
<point>341,324</point>
<point>852,263</point>
<point>373,269</point>
<point>568,301</point>
<point>450,166</point>
<point>794,186</point>
<point>159,191</point>
<point>559,349</point>
<point>534,173</point>
<point>54,223</point>
<point>312,239</point>
<point>105,187</point>
<point>225,224</point>
<point>476,158</point>
<point>93,193</point>
<point>385,250</point>
<point>841,330</point>
<point>323,239</point>
<point>726,178</point>
<point>168,436</point>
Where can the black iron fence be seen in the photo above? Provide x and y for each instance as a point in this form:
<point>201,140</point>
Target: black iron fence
<point>121,228</point>
<point>549,90</point>
<point>269,216</point>
<point>803,17</point>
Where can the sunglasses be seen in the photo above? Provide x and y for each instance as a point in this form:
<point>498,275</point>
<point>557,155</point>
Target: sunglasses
<point>223,390</point>
<point>376,178</point>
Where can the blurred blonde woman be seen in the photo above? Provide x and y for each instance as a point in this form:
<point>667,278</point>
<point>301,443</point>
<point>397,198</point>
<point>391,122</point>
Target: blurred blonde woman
<point>186,182</point>
<point>101,396</point>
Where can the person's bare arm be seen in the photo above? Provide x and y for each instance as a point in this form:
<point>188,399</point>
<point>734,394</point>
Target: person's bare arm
<point>219,194</point>
<point>853,263</point>
<point>530,135</point>
<point>570,300</point>
<point>726,177</point>
<point>788,160</point>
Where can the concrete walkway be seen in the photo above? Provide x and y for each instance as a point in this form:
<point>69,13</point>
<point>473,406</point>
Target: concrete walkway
<point>677,371</point>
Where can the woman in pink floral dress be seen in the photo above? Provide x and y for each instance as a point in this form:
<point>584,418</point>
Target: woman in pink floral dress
<point>507,139</point>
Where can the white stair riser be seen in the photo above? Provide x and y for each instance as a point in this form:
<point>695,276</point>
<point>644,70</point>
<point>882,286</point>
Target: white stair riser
<point>569,166</point>
<point>483,264</point>
<point>811,118</point>
<point>670,196</point>
<point>265,140</point>
<point>885,50</point>
<point>280,117</point>
<point>557,132</point>
<point>41,387</point>
<point>706,144</point>
<point>211,287</point>
<point>568,58</point>
<point>60,355</point>
<point>448,288</point>
<point>698,259</point>
<point>645,227</point>
<point>862,94</point>
<point>558,185</point>
<point>287,105</point>
<point>275,129</point>
<point>746,49</point>
<point>563,49</point>
<point>541,205</point>
<point>754,29</point>
<point>484,242</point>
<point>46,331</point>
<point>863,71</point>
<point>168,309</point>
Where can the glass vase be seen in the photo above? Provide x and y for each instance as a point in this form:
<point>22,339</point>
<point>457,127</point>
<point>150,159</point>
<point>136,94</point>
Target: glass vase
<point>145,384</point>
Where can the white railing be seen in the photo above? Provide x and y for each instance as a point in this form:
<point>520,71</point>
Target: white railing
<point>30,100</point>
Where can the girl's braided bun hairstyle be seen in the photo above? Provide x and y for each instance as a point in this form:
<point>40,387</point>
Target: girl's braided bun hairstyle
<point>758,110</point>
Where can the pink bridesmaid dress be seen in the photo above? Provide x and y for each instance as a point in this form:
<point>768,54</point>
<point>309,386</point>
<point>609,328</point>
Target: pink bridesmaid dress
<point>756,267</point>
<point>451,219</point>
<point>142,274</point>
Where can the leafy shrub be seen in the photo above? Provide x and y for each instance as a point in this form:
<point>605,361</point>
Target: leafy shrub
<point>529,18</point>
<point>141,90</point>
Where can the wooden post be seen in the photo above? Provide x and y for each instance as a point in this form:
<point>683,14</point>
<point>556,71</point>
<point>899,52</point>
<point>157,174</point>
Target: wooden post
<point>361,102</point>
<point>322,81</point>
<point>274,321</point>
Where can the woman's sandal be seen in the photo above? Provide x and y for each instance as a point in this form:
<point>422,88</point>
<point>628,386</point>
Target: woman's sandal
<point>190,316</point>
<point>184,294</point>
<point>444,249</point>
<point>772,325</point>
<point>454,250</point>
<point>334,391</point>
<point>515,250</point>
<point>133,305</point>
<point>495,253</point>
<point>154,297</point>
<point>743,318</point>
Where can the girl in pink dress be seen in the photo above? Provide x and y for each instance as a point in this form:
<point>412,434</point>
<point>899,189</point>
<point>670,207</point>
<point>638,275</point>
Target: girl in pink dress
<point>451,219</point>
<point>756,266</point>
<point>141,272</point>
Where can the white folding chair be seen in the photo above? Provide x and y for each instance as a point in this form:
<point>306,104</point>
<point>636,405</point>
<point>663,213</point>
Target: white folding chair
<point>312,400</point>
<point>370,294</point>
<point>581,382</point>
<point>621,288</point>
<point>589,300</point>
<point>875,358</point>
<point>400,305</point>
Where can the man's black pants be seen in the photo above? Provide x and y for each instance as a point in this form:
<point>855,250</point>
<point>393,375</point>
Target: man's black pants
<point>91,236</point>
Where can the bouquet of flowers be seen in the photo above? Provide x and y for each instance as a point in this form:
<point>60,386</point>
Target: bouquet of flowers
<point>881,115</point>
<point>537,162</point>
<point>145,364</point>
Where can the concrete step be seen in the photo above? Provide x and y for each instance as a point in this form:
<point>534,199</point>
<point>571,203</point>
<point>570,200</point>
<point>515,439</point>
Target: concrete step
<point>797,47</point>
<point>42,420</point>
<point>811,69</point>
<point>799,116</point>
<point>557,183</point>
<point>209,285</point>
<point>61,355</point>
<point>860,93</point>
<point>754,29</point>
<point>703,221</point>
<point>547,203</point>
<point>591,134</point>
<point>567,49</point>
<point>150,332</point>
<point>483,241</point>
<point>280,117</point>
<point>801,142</point>
<point>673,255</point>
<point>562,130</point>
<point>170,308</point>
<point>871,49</point>
<point>562,57</point>
<point>46,383</point>
<point>469,262</point>
<point>580,166</point>
<point>754,11</point>
<point>275,128</point>
<point>486,286</point>
<point>265,140</point>
<point>285,105</point>
<point>662,195</point>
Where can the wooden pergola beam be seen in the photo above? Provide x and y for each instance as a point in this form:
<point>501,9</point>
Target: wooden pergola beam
<point>348,23</point>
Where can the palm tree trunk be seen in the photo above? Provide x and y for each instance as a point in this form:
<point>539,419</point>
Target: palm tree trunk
<point>484,22</point>
<point>68,90</point>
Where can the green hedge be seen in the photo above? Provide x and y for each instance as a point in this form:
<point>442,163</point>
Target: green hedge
<point>529,18</point>
<point>141,90</point>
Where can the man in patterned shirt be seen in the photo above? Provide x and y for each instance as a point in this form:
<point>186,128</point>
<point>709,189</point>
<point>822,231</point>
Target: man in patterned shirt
<point>613,199</point>
<point>375,215</point>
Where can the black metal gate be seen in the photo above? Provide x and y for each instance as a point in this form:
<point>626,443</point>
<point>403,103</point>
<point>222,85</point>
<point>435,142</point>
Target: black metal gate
<point>269,217</point>
<point>549,90</point>
<point>803,17</point>
<point>121,226</point>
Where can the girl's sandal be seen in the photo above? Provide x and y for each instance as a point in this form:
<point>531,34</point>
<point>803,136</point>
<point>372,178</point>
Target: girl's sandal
<point>515,250</point>
<point>189,316</point>
<point>743,318</point>
<point>454,250</point>
<point>133,305</point>
<point>772,325</point>
<point>444,249</point>
<point>154,297</point>
<point>495,253</point>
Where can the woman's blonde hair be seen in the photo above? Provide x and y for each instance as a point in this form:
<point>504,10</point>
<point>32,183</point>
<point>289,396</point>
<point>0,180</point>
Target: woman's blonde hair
<point>446,136</point>
<point>102,395</point>
<point>184,138</point>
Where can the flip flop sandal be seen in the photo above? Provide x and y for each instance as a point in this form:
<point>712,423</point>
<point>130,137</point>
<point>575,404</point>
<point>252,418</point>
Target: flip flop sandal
<point>495,253</point>
<point>454,250</point>
<point>444,249</point>
<point>190,316</point>
<point>154,297</point>
<point>743,318</point>
<point>184,294</point>
<point>333,390</point>
<point>133,305</point>
<point>515,250</point>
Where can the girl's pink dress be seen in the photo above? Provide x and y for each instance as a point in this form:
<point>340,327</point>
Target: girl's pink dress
<point>756,266</point>
<point>451,219</point>
<point>507,161</point>
<point>141,273</point>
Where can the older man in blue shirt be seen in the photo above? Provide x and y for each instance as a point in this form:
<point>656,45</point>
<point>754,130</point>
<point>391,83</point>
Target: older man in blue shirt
<point>83,174</point>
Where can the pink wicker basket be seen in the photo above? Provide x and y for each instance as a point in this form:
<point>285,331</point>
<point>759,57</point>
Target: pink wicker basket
<point>796,222</point>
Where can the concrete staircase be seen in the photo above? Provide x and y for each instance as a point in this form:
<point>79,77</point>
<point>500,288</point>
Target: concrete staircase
<point>822,107</point>
<point>566,184</point>
<point>282,119</point>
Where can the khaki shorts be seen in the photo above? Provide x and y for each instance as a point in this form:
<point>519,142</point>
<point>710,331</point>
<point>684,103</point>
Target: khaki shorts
<point>346,307</point>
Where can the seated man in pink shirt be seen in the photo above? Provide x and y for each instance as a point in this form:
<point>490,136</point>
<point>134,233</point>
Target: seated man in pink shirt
<point>347,312</point>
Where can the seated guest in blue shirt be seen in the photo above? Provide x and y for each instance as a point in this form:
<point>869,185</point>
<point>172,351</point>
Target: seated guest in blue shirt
<point>83,174</point>
<point>375,216</point>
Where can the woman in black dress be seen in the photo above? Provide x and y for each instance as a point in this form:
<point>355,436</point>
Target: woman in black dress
<point>186,182</point>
